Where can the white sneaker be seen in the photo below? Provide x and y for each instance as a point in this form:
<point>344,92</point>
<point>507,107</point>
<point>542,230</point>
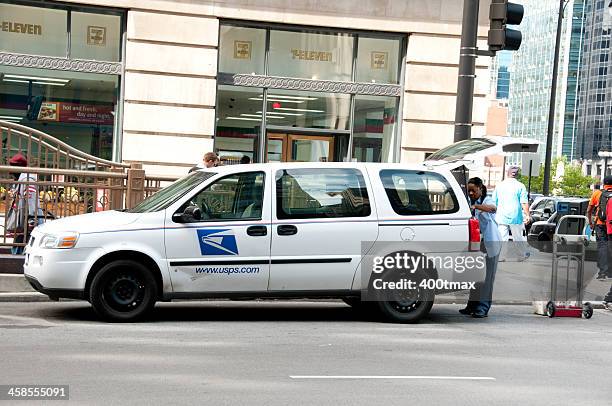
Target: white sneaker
<point>608,305</point>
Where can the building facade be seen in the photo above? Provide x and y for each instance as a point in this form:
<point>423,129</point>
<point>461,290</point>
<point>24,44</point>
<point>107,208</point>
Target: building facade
<point>164,81</point>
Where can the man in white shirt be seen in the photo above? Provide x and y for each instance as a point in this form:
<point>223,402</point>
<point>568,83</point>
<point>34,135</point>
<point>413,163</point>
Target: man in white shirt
<point>510,198</point>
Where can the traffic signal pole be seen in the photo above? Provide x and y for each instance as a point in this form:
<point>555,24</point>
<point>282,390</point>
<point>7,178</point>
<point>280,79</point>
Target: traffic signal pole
<point>467,70</point>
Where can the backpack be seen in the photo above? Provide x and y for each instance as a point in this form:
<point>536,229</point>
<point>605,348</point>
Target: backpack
<point>603,205</point>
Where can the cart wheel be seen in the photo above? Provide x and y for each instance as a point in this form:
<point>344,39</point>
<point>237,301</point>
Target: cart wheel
<point>587,310</point>
<point>550,309</point>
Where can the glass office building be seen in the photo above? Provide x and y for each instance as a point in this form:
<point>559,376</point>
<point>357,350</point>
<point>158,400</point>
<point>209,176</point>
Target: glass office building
<point>594,122</point>
<point>532,67</point>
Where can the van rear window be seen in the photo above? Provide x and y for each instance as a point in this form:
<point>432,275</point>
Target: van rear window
<point>418,192</point>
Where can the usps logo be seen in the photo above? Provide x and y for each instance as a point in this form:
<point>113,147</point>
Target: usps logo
<point>217,242</point>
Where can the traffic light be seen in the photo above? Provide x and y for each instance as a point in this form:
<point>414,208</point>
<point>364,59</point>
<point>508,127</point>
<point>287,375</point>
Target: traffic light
<point>501,14</point>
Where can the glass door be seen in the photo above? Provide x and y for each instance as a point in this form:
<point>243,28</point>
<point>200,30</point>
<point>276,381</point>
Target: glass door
<point>300,148</point>
<point>308,148</point>
<point>277,148</point>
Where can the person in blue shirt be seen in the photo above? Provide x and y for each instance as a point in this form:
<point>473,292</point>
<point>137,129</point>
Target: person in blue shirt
<point>483,209</point>
<point>510,198</point>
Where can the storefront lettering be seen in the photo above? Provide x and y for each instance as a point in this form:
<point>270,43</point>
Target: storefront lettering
<point>311,55</point>
<point>21,28</point>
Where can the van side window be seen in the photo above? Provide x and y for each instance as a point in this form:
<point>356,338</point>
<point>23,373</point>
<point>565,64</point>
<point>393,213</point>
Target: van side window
<point>234,197</point>
<point>418,192</point>
<point>321,193</point>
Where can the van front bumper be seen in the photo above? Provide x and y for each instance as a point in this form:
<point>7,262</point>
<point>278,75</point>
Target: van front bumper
<point>55,271</point>
<point>56,293</point>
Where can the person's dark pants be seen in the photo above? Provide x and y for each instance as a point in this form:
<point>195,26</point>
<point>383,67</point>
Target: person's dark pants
<point>17,250</point>
<point>603,249</point>
<point>481,297</point>
<point>608,297</point>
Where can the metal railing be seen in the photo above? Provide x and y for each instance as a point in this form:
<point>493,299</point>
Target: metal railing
<point>61,181</point>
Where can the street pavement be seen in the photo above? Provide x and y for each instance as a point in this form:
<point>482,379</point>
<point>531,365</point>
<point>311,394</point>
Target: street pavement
<point>282,352</point>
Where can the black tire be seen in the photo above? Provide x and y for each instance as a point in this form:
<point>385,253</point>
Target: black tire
<point>587,310</point>
<point>550,309</point>
<point>123,291</point>
<point>409,305</point>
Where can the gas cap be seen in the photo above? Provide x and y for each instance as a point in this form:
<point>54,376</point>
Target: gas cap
<point>407,234</point>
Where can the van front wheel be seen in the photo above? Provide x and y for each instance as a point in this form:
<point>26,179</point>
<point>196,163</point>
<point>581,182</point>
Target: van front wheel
<point>123,291</point>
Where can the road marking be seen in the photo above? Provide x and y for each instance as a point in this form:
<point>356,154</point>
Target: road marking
<point>450,378</point>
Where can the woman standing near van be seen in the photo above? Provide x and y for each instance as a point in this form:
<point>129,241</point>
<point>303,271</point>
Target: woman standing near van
<point>483,209</point>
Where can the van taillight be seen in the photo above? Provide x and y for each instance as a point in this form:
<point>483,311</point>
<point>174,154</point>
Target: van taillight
<point>474,228</point>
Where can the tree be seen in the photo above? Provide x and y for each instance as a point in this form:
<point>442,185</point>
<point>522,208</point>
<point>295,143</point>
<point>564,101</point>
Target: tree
<point>572,183</point>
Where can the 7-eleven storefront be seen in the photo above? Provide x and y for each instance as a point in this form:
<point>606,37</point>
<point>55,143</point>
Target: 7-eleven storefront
<point>163,82</point>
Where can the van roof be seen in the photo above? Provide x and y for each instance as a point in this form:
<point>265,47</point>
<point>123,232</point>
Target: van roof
<point>278,165</point>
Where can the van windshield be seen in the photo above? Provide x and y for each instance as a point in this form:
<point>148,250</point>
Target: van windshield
<point>460,149</point>
<point>170,194</point>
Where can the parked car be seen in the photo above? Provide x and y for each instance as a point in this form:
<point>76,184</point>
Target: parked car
<point>534,198</point>
<point>541,209</point>
<point>258,231</point>
<point>541,232</point>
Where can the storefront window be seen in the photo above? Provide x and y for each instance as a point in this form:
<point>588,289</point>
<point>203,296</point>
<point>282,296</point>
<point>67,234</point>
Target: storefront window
<point>292,108</point>
<point>377,60</point>
<point>242,50</point>
<point>374,128</point>
<point>239,117</point>
<point>311,55</point>
<point>33,30</point>
<point>77,108</point>
<point>95,36</point>
<point>306,125</point>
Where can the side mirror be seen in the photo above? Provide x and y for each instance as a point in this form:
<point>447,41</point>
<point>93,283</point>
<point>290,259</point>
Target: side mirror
<point>189,215</point>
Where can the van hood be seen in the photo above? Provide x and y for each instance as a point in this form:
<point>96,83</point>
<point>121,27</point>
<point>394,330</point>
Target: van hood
<point>101,221</point>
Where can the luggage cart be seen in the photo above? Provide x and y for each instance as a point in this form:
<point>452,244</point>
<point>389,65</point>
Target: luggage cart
<point>569,248</point>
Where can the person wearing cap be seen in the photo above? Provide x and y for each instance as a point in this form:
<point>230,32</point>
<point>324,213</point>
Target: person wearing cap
<point>510,198</point>
<point>25,197</point>
<point>601,233</point>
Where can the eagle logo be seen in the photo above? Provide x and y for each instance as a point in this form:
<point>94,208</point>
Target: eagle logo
<point>217,242</point>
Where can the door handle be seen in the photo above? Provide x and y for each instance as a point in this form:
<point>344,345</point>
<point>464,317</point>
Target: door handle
<point>257,231</point>
<point>286,229</point>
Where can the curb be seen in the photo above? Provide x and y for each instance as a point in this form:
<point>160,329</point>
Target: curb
<point>14,283</point>
<point>23,297</point>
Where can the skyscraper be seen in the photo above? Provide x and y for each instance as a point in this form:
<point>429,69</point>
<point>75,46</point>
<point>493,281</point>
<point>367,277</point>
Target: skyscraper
<point>501,75</point>
<point>594,113</point>
<point>531,70</point>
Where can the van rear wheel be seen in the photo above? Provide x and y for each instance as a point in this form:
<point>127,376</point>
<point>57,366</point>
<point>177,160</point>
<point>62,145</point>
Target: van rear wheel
<point>123,291</point>
<point>405,305</point>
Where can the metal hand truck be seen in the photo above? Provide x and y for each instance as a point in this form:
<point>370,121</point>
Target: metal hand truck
<point>569,247</point>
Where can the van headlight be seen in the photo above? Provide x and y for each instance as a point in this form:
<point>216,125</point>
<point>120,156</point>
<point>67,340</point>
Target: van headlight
<point>59,240</point>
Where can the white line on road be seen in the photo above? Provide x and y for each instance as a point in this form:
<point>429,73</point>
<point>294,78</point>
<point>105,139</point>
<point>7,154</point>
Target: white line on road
<point>455,378</point>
